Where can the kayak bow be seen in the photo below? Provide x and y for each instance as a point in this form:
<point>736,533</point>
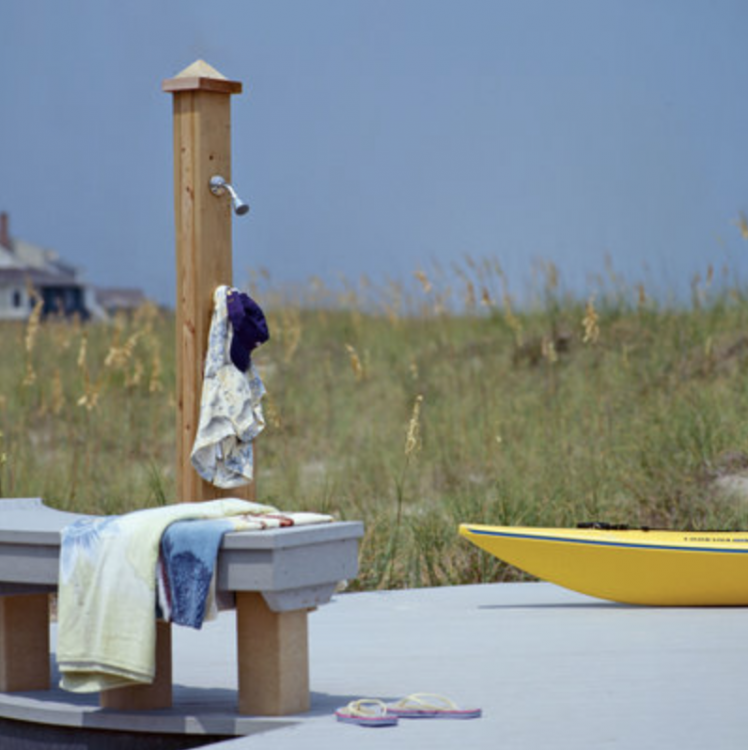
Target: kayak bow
<point>662,568</point>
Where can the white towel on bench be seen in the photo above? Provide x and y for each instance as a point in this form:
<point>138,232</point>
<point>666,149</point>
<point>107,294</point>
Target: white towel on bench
<point>107,592</point>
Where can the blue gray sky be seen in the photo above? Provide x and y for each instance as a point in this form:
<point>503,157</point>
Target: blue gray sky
<point>379,137</point>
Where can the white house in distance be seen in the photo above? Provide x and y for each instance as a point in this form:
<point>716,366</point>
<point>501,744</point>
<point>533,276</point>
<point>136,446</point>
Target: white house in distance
<point>27,270</point>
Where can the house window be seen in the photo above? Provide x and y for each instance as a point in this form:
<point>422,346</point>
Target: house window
<point>16,298</point>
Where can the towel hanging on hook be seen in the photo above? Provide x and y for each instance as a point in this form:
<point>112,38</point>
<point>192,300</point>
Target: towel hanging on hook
<point>230,408</point>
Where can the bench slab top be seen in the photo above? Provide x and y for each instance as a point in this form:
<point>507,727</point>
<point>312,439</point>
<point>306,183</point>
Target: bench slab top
<point>30,521</point>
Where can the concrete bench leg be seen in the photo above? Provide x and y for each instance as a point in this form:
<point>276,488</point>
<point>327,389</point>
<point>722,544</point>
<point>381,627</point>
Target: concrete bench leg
<point>146,697</point>
<point>273,655</point>
<point>24,642</point>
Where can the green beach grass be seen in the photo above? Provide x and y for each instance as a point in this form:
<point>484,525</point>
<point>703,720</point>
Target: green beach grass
<point>385,407</point>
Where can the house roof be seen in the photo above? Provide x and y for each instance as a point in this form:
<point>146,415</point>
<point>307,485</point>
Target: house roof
<point>41,258</point>
<point>23,262</point>
<point>8,259</point>
<point>36,277</point>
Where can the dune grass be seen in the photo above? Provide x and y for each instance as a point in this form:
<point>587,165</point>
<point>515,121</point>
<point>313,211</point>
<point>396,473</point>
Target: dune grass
<point>388,408</point>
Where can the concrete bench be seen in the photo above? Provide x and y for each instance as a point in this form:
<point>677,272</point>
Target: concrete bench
<point>277,576</point>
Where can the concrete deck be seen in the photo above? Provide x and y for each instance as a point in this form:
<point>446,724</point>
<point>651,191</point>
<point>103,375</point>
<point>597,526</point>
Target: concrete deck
<point>550,668</point>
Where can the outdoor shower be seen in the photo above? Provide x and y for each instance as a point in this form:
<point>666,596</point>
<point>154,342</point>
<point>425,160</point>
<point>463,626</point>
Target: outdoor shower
<point>218,186</point>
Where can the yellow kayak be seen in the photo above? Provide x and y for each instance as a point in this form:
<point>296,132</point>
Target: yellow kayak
<point>662,568</point>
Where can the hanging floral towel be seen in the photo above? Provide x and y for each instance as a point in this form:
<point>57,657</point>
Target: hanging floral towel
<point>230,408</point>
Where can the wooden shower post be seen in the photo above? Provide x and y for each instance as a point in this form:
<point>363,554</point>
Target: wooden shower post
<point>202,149</point>
<point>272,646</point>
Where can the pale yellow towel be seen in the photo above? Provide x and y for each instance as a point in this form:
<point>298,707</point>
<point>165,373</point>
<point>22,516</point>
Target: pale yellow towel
<point>106,608</point>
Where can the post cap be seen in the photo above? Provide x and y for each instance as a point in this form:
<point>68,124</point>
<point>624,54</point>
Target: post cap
<point>201,77</point>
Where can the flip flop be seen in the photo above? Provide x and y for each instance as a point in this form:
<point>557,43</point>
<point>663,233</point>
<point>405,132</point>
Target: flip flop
<point>430,706</point>
<point>366,712</point>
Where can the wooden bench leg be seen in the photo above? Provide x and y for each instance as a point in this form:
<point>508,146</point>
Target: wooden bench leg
<point>146,697</point>
<point>273,655</point>
<point>24,642</point>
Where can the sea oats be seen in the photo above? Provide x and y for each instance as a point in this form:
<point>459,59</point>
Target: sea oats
<point>512,320</point>
<point>118,356</point>
<point>412,438</point>
<point>32,329</point>
<point>548,349</point>
<point>590,323</point>
<point>154,383</point>
<point>58,393</point>
<point>82,351</point>
<point>470,299</point>
<point>425,283</point>
<point>358,368</point>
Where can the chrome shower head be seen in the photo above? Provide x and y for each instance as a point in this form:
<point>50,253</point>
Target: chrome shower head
<point>218,186</point>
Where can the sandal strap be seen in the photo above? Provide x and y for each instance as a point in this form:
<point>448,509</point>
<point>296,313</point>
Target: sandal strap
<point>427,702</point>
<point>367,707</point>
